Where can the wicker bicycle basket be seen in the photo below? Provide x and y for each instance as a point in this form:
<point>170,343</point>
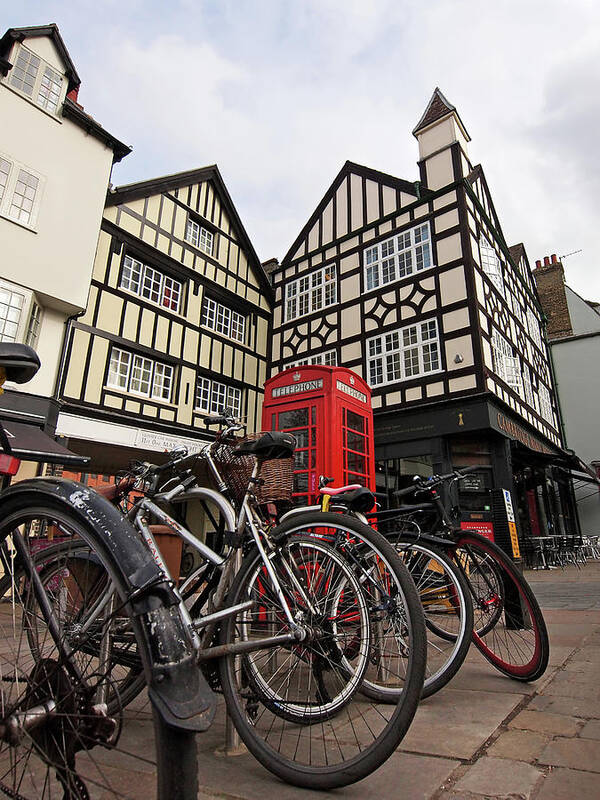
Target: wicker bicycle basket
<point>277,474</point>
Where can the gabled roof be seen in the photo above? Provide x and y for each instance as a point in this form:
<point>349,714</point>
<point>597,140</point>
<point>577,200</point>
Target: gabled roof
<point>166,183</point>
<point>438,108</point>
<point>13,35</point>
<point>350,167</point>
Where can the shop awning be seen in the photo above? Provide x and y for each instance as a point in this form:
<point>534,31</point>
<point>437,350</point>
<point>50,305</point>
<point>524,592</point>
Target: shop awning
<point>30,443</point>
<point>564,459</point>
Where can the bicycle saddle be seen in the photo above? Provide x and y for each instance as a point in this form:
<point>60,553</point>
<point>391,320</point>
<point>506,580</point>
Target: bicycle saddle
<point>20,361</point>
<point>360,499</point>
<point>272,444</point>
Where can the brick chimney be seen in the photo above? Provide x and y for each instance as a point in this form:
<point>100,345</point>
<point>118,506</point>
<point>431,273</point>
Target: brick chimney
<point>550,280</point>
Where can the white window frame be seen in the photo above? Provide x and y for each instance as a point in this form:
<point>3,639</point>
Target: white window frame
<point>327,358</point>
<point>199,236</point>
<point>533,326</point>
<point>151,284</point>
<point>222,319</point>
<point>16,185</point>
<point>33,326</point>
<point>506,364</point>
<point>312,292</point>
<point>140,375</point>
<point>398,257</point>
<point>527,387</point>
<point>23,326</point>
<point>404,354</point>
<point>517,309</point>
<point>490,263</point>
<point>213,396</point>
<point>48,85</point>
<point>546,410</point>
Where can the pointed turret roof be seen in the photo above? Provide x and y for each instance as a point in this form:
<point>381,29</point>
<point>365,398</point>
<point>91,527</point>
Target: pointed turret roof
<point>438,108</point>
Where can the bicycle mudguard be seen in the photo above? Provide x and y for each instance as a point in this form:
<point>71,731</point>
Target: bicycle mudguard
<point>176,685</point>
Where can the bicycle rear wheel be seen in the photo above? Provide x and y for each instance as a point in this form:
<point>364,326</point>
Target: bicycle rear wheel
<point>509,629</point>
<point>57,659</point>
<point>306,721</point>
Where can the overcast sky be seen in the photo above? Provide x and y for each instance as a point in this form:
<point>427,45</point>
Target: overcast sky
<point>280,93</point>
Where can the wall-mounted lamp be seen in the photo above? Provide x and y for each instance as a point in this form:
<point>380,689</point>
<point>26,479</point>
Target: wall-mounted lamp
<point>458,358</point>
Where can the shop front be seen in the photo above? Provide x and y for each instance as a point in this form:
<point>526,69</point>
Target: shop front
<point>518,474</point>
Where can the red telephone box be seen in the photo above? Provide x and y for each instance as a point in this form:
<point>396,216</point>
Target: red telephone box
<point>328,410</point>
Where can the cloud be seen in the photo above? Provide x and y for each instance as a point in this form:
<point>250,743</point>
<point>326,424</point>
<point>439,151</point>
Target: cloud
<point>280,94</point>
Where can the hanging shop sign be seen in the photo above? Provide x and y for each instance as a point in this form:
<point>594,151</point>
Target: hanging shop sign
<point>512,525</point>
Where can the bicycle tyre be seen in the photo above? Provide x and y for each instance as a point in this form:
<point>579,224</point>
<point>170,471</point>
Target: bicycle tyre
<point>288,750</point>
<point>61,749</point>
<point>448,610</point>
<point>341,608</point>
<point>517,644</point>
<point>72,566</point>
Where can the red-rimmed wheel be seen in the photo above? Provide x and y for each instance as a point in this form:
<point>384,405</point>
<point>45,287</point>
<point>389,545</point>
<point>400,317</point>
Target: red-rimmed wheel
<point>509,628</point>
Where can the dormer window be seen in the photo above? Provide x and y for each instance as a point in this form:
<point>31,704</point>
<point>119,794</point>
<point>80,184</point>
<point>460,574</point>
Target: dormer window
<point>36,79</point>
<point>198,236</point>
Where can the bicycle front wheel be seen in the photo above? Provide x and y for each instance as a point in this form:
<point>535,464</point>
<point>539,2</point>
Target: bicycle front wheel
<point>304,718</point>
<point>62,648</point>
<point>509,629</point>
<point>447,606</point>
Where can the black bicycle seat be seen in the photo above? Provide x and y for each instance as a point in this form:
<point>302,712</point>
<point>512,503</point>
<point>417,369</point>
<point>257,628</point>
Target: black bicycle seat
<point>356,499</point>
<point>273,444</point>
<point>20,361</point>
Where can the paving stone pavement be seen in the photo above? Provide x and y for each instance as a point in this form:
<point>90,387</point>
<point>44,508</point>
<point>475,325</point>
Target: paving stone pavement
<point>484,735</point>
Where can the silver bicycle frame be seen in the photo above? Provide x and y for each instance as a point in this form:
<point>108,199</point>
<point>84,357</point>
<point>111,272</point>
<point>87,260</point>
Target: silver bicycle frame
<point>245,519</point>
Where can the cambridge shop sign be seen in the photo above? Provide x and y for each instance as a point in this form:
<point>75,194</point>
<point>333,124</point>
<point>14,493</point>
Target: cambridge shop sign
<point>515,431</point>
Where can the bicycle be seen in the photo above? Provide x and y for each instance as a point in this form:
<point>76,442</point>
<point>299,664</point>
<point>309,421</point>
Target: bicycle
<point>290,629</point>
<point>509,628</point>
<point>54,679</point>
<point>442,589</point>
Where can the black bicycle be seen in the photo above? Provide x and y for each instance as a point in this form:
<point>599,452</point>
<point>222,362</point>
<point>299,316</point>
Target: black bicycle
<point>508,624</point>
<point>58,646</point>
<point>509,627</point>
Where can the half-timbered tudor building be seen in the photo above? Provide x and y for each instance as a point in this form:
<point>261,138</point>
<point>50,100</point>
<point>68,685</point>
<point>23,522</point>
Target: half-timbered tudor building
<point>177,323</point>
<point>411,284</point>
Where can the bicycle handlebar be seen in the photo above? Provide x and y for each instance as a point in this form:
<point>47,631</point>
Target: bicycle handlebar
<point>434,480</point>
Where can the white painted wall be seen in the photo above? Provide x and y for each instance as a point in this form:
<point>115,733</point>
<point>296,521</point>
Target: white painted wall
<point>578,384</point>
<point>55,259</point>
<point>583,318</point>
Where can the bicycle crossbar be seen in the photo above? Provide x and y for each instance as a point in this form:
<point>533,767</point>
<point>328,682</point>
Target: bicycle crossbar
<point>235,648</point>
<point>225,612</point>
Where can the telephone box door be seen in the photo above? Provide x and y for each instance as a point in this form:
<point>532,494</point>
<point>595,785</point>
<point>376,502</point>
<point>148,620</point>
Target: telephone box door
<point>304,423</point>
